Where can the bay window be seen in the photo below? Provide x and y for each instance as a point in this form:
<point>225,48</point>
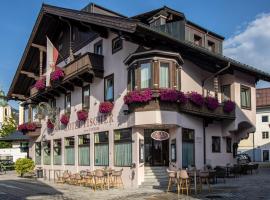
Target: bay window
<point>84,150</point>
<point>102,149</point>
<point>164,75</point>
<point>146,75</point>
<point>123,147</point>
<point>57,152</point>
<point>69,151</point>
<point>47,152</point>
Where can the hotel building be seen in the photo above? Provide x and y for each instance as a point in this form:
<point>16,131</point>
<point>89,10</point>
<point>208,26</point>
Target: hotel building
<point>147,61</point>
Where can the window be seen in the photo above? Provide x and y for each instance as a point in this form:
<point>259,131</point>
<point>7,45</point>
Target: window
<point>245,97</point>
<point>69,151</point>
<point>47,152</point>
<point>229,145</point>
<point>117,44</point>
<point>101,149</point>
<point>215,144</point>
<point>53,103</point>
<point>98,47</point>
<point>26,114</point>
<point>211,46</point>
<point>123,147</point>
<point>86,97</point>
<point>146,75</point>
<point>265,135</point>
<point>68,103</point>
<point>188,147</point>
<point>57,155</point>
<point>38,153</point>
<point>197,40</point>
<point>131,79</point>
<point>24,146</point>
<point>178,79</point>
<point>265,118</point>
<point>84,150</point>
<point>226,92</point>
<point>164,76</point>
<point>109,88</point>
<point>33,112</point>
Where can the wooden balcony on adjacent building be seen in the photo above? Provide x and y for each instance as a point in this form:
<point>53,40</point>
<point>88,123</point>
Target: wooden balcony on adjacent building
<point>36,132</point>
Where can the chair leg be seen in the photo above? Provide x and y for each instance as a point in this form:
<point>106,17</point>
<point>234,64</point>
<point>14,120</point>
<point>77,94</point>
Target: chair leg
<point>169,185</point>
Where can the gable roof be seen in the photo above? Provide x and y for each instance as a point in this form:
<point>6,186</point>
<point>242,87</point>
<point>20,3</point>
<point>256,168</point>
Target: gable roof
<point>133,27</point>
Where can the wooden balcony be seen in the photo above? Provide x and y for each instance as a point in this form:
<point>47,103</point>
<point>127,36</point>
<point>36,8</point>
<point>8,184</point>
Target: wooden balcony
<point>81,70</point>
<point>35,133</point>
<point>188,108</point>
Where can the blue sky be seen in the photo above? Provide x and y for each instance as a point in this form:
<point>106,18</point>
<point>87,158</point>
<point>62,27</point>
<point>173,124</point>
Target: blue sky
<point>236,20</point>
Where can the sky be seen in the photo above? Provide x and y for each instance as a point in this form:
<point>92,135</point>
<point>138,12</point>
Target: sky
<point>245,24</point>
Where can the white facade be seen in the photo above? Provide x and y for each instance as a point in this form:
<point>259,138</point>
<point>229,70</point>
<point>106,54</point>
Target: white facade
<point>15,152</point>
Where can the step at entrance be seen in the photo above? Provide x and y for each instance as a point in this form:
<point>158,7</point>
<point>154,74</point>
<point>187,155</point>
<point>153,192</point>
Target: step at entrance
<point>155,177</point>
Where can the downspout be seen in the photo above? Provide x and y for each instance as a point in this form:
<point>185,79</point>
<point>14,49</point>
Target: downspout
<point>204,142</point>
<point>71,56</point>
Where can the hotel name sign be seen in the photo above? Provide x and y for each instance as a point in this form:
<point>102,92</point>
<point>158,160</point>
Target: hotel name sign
<point>92,123</point>
<point>160,135</point>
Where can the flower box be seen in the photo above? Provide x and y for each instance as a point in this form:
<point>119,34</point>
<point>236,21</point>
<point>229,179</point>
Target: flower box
<point>64,119</point>
<point>27,127</point>
<point>82,115</point>
<point>196,98</point>
<point>138,96</point>
<point>57,75</point>
<point>211,103</point>
<point>228,106</point>
<point>40,84</point>
<point>106,107</point>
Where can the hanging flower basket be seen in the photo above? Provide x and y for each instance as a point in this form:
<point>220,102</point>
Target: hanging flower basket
<point>211,103</point>
<point>50,125</point>
<point>138,96</point>
<point>196,98</point>
<point>57,74</point>
<point>82,115</point>
<point>40,84</point>
<point>228,106</point>
<point>106,107</point>
<point>64,119</point>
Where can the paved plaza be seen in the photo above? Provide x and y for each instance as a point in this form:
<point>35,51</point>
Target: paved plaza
<point>248,187</point>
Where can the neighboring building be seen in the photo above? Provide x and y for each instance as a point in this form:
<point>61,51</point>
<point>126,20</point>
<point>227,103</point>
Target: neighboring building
<point>257,145</point>
<point>106,55</point>
<point>19,147</point>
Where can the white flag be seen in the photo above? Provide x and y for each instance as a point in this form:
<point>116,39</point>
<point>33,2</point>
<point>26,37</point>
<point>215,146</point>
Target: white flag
<point>52,55</point>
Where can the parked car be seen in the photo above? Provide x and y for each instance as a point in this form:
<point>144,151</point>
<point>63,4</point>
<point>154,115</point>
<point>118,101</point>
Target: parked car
<point>243,158</point>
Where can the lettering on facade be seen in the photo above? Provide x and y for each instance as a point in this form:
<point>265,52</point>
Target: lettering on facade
<point>160,135</point>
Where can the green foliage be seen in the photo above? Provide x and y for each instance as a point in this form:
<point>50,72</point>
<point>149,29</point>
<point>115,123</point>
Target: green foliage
<point>24,165</point>
<point>9,125</point>
<point>4,145</point>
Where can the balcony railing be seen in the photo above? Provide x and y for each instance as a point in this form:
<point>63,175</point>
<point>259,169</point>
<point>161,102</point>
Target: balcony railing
<point>188,107</point>
<point>36,132</point>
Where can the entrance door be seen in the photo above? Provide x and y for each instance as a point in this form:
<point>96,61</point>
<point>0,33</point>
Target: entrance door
<point>188,148</point>
<point>156,152</point>
<point>265,155</point>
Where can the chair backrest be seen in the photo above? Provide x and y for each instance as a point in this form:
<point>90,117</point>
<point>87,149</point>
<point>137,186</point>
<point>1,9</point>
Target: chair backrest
<point>117,173</point>
<point>204,173</point>
<point>66,174</point>
<point>183,174</point>
<point>78,176</point>
<point>99,173</point>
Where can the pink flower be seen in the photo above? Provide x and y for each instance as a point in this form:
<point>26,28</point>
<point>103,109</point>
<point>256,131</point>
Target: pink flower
<point>40,84</point>
<point>57,74</point>
<point>138,96</point>
<point>64,119</point>
<point>196,98</point>
<point>169,95</point>
<point>27,127</point>
<point>22,127</point>
<point>82,115</point>
<point>50,125</point>
<point>211,103</point>
<point>105,107</point>
<point>228,106</point>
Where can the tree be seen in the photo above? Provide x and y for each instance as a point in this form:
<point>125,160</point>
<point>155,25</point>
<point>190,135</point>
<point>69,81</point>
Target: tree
<point>9,126</point>
<point>24,165</point>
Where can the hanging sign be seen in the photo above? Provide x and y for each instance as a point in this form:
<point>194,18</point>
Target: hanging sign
<point>160,135</point>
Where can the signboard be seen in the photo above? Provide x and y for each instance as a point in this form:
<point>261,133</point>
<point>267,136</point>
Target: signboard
<point>160,135</point>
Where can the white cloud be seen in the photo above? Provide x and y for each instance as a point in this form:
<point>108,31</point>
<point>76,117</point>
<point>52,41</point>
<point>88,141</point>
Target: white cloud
<point>252,44</point>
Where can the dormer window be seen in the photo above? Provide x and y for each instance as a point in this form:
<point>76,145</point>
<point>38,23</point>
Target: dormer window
<point>197,40</point>
<point>158,21</point>
<point>211,46</point>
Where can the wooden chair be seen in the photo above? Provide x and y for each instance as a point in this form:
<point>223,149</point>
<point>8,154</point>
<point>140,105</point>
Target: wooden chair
<point>99,177</point>
<point>172,179</point>
<point>117,179</point>
<point>183,182</point>
<point>90,179</point>
<point>191,175</point>
<point>205,176</point>
<point>64,178</point>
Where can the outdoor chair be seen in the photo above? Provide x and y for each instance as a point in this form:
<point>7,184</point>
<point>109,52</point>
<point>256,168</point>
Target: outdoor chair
<point>220,173</point>
<point>172,179</point>
<point>99,177</point>
<point>183,182</point>
<point>204,175</point>
<point>191,174</point>
<point>64,178</point>
<point>117,179</point>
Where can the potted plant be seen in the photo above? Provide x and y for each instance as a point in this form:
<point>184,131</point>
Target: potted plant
<point>196,99</point>
<point>105,107</point>
<point>64,119</point>
<point>82,115</point>
<point>211,103</point>
<point>40,84</point>
<point>57,75</point>
<point>169,95</point>
<point>138,96</point>
<point>228,106</point>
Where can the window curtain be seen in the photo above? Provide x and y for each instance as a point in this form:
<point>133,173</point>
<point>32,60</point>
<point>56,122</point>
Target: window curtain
<point>164,75</point>
<point>84,155</point>
<point>188,154</point>
<point>145,75</point>
<point>245,97</point>
<point>57,157</point>
<point>37,159</point>
<point>122,154</point>
<point>69,156</point>
<point>102,154</point>
<point>47,157</point>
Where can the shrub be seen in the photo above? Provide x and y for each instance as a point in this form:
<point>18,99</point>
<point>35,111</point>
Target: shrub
<point>82,115</point>
<point>57,74</point>
<point>105,107</point>
<point>196,98</point>
<point>40,84</point>
<point>64,119</point>
<point>228,106</point>
<point>24,165</point>
<point>211,103</point>
<point>138,96</point>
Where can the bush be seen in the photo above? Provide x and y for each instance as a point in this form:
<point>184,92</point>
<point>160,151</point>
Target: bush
<point>24,165</point>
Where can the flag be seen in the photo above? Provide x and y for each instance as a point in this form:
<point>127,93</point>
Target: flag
<point>52,56</point>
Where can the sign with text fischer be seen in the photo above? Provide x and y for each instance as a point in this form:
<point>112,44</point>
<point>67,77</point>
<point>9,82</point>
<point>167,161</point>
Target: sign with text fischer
<point>160,135</point>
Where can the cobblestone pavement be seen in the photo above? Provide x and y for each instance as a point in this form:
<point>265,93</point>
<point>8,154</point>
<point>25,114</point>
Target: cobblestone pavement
<point>248,187</point>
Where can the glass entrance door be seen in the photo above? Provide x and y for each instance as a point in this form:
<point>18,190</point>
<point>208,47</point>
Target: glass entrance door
<point>156,152</point>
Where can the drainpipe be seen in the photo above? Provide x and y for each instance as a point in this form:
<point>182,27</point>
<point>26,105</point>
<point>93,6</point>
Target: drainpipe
<point>204,142</point>
<point>253,150</point>
<point>71,56</point>
<point>214,75</point>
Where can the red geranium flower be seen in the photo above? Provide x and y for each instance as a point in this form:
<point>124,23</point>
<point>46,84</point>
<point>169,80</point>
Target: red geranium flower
<point>105,107</point>
<point>82,115</point>
<point>64,119</point>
